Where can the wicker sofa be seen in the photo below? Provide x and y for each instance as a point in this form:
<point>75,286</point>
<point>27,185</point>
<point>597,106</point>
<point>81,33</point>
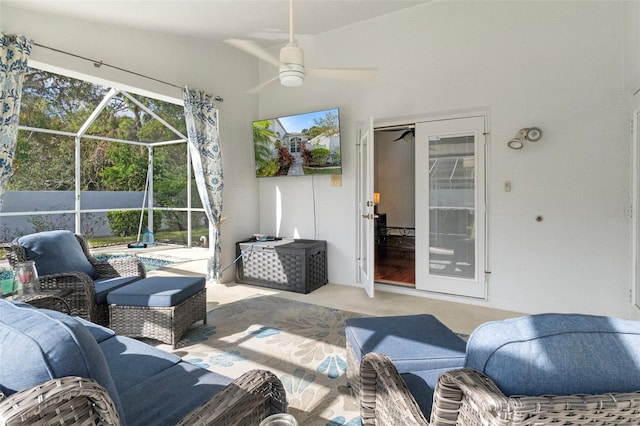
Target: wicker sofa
<point>58,369</point>
<point>548,369</point>
<point>64,261</point>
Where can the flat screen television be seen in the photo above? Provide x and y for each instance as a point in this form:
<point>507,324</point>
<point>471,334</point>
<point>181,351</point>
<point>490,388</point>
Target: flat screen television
<point>298,145</point>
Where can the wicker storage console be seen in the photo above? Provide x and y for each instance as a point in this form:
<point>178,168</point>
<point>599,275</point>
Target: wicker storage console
<point>292,265</point>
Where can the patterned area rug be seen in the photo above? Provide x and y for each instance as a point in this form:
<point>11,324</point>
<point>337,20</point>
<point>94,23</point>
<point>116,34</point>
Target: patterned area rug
<point>303,344</point>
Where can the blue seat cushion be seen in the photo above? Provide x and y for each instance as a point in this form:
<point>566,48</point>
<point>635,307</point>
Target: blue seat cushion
<point>184,385</point>
<point>104,286</point>
<point>56,252</point>
<point>422,384</point>
<point>132,361</point>
<point>98,332</point>
<point>413,342</point>
<point>47,345</point>
<point>558,354</point>
<point>157,291</point>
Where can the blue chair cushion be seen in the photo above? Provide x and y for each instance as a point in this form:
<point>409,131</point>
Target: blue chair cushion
<point>558,354</point>
<point>422,384</point>
<point>185,385</point>
<point>413,342</point>
<point>56,252</point>
<point>157,291</point>
<point>47,345</point>
<point>104,286</point>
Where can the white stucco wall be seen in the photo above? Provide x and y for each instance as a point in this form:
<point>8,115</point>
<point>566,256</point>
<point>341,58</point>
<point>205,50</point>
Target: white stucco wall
<point>198,64</point>
<point>557,65</point>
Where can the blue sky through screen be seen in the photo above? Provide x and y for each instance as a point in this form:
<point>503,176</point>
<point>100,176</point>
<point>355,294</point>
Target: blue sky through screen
<point>296,123</point>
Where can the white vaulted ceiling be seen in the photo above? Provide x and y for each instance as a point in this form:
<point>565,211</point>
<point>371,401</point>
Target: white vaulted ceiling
<point>265,21</point>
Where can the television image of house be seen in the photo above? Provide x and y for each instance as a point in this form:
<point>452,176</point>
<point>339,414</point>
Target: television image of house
<point>298,145</point>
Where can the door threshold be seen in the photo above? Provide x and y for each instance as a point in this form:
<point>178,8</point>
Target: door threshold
<point>398,283</point>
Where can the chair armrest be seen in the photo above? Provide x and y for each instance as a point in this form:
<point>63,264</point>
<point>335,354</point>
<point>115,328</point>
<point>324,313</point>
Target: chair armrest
<point>68,400</point>
<point>82,301</point>
<point>247,400</point>
<point>468,396</point>
<point>123,267</point>
<point>469,392</point>
<point>384,397</point>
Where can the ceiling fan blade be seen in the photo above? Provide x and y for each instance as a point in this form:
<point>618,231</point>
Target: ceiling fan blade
<point>361,74</point>
<point>263,85</point>
<point>252,48</point>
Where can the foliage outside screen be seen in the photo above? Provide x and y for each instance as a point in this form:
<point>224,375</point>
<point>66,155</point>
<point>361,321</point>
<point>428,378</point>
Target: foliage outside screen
<point>45,162</point>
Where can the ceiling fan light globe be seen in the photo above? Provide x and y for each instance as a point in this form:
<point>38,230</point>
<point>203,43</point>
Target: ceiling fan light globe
<point>291,80</point>
<point>291,75</point>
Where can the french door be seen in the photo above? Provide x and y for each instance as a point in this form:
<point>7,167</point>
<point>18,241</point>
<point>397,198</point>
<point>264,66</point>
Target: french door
<point>450,206</point>
<point>365,212</point>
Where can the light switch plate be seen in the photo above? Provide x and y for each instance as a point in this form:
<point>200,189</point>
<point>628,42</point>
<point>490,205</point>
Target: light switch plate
<point>336,180</point>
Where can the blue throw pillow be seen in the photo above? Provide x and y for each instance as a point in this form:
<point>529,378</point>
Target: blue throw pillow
<point>37,345</point>
<point>56,252</point>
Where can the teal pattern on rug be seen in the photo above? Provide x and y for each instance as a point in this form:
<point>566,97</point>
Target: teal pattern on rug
<point>303,344</point>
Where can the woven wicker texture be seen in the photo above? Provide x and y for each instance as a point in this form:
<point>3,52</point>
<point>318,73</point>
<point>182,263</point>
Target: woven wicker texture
<point>466,397</point>
<point>247,401</point>
<point>49,301</point>
<point>82,301</point>
<point>76,401</point>
<point>166,324</point>
<point>300,266</point>
<point>65,401</point>
<point>353,370</point>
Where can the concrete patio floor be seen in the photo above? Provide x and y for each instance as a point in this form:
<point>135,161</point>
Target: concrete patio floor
<point>460,317</point>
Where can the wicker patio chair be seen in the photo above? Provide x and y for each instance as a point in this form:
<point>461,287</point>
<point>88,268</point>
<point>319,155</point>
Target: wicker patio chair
<point>75,400</point>
<point>82,301</point>
<point>468,397</point>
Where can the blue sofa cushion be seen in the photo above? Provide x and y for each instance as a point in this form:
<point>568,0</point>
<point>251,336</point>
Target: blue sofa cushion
<point>422,384</point>
<point>413,342</point>
<point>123,352</point>
<point>104,286</point>
<point>98,332</point>
<point>185,385</point>
<point>56,252</point>
<point>558,354</point>
<point>47,345</point>
<point>157,291</point>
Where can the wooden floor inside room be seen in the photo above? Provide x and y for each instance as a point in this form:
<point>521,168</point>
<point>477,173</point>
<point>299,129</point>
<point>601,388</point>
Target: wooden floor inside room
<point>395,266</point>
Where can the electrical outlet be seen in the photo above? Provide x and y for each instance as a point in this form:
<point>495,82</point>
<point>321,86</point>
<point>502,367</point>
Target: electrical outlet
<point>336,180</point>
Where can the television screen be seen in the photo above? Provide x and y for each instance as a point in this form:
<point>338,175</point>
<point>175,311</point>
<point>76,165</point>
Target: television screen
<point>298,145</point>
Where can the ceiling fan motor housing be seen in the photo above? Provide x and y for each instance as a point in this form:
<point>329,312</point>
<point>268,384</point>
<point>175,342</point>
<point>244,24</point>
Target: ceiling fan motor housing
<point>291,65</point>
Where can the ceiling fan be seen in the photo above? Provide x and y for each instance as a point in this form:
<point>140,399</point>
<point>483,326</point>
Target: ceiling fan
<point>291,63</point>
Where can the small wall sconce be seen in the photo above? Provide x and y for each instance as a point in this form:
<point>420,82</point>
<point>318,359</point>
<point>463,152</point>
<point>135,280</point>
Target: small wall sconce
<point>531,134</point>
<point>376,198</point>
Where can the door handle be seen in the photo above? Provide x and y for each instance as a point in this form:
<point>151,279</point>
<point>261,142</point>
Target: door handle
<point>370,216</point>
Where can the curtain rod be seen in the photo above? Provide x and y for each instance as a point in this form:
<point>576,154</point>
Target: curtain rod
<point>99,64</point>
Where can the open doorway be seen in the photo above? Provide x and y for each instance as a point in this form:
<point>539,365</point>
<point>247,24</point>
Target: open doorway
<point>394,197</point>
<point>429,204</point>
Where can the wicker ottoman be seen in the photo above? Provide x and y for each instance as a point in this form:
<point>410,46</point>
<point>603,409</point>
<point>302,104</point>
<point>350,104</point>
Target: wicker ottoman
<point>160,308</point>
<point>413,342</point>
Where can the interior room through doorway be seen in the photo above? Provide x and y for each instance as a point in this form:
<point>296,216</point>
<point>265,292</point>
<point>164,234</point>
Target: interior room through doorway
<point>394,197</point>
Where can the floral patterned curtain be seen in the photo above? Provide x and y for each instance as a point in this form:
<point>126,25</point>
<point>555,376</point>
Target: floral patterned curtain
<point>201,116</point>
<point>14,52</point>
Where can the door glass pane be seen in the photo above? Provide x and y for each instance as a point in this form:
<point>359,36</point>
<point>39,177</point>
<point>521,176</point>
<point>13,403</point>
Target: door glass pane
<point>452,206</point>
